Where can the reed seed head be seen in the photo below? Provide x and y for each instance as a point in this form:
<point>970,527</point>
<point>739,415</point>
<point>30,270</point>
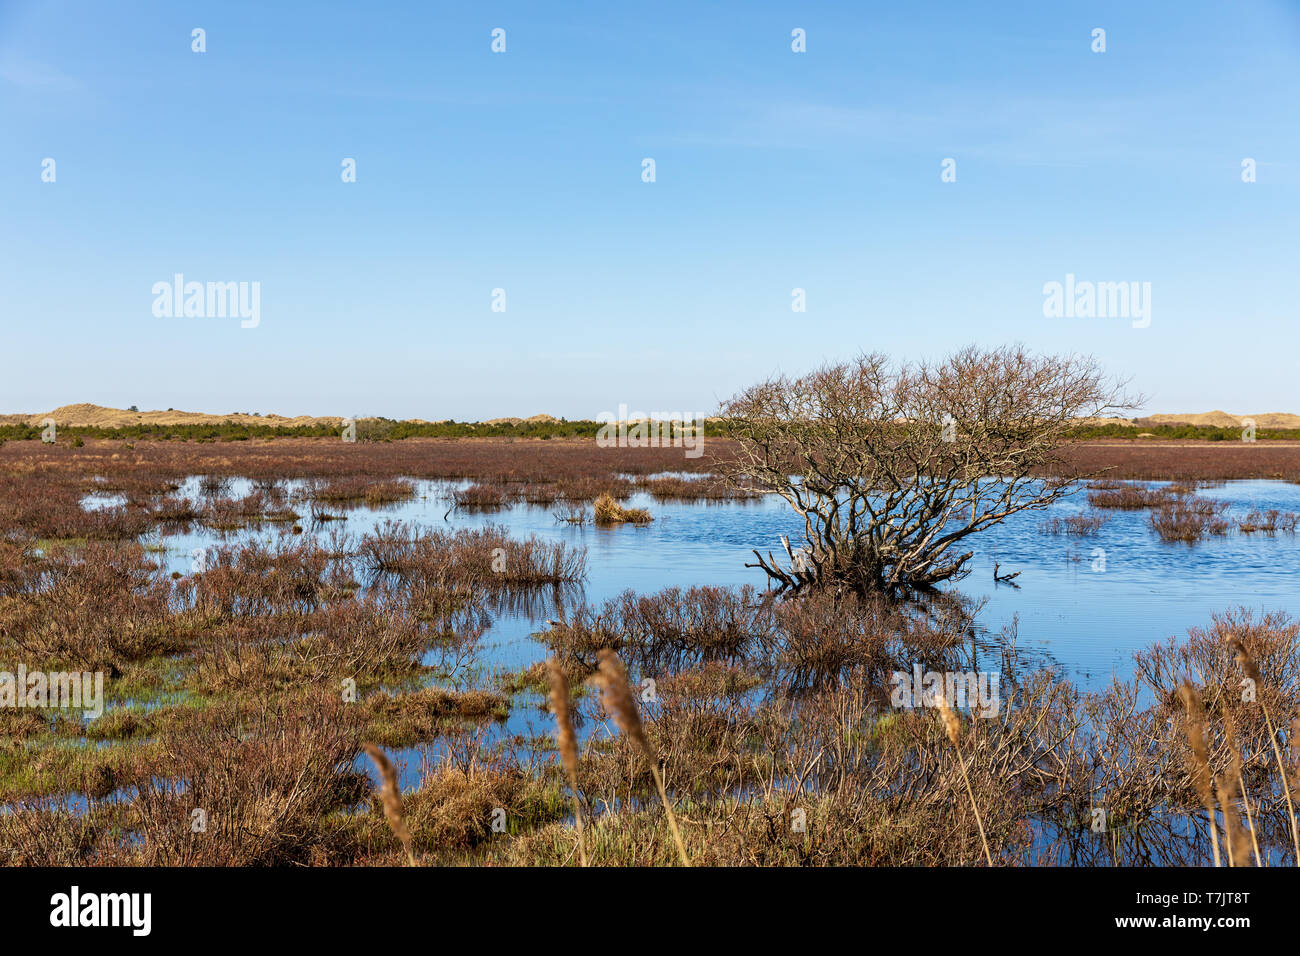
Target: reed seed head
<point>1239,844</point>
<point>617,697</point>
<point>950,721</point>
<point>1195,728</point>
<point>1244,659</point>
<point>563,717</point>
<point>391,796</point>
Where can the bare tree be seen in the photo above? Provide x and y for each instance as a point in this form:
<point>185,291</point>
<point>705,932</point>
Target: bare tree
<point>893,467</point>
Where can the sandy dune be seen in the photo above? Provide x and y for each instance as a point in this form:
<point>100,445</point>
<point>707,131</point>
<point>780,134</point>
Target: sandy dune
<point>98,416</point>
<point>1225,420</point>
<point>85,414</point>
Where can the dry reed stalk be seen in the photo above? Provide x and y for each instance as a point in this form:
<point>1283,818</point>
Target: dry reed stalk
<point>1240,779</point>
<point>1250,821</point>
<point>1295,770</point>
<point>1238,845</point>
<point>1251,670</point>
<point>391,796</point>
<point>1200,763</point>
<point>568,741</point>
<point>618,700</point>
<point>953,727</point>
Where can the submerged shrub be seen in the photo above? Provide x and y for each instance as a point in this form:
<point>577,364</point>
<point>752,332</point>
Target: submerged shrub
<point>482,557</point>
<point>1129,497</point>
<point>1188,519</point>
<point>1074,525</point>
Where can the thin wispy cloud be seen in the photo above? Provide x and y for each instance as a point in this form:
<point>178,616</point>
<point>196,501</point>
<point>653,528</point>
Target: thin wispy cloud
<point>30,75</point>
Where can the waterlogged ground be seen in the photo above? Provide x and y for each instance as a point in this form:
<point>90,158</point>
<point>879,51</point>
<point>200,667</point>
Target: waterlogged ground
<point>1083,605</point>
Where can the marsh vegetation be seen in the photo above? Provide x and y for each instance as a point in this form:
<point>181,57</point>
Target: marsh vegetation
<point>345,598</point>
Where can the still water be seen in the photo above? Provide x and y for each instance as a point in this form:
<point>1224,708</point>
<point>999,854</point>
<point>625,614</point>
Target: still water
<point>1084,604</point>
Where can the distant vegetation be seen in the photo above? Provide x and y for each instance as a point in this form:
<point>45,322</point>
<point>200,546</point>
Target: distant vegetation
<point>367,429</point>
<point>386,429</point>
<point>1179,432</point>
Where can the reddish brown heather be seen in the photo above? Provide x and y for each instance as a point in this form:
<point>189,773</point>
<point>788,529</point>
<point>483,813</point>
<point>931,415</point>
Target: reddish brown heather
<point>525,460</point>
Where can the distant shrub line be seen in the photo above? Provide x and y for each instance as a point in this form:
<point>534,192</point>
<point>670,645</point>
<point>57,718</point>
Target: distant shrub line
<point>1181,432</point>
<point>369,429</point>
<point>384,429</point>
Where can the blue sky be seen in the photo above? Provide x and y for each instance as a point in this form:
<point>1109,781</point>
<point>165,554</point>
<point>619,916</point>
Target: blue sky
<point>775,170</point>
